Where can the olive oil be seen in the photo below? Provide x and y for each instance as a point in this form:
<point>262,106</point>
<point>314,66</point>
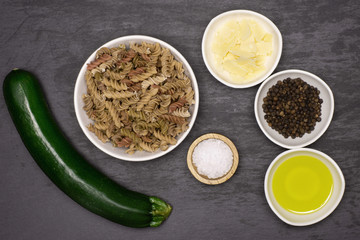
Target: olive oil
<point>302,184</point>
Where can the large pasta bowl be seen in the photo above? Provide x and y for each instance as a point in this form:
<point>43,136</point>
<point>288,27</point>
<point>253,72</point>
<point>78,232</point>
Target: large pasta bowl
<point>84,120</point>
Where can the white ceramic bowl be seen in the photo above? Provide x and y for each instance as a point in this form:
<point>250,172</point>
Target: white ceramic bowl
<point>80,89</point>
<point>326,210</point>
<point>268,26</point>
<point>327,109</point>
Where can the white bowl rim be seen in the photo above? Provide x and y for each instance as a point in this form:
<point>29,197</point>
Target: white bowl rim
<point>250,84</point>
<point>331,161</point>
<point>332,104</point>
<point>192,77</point>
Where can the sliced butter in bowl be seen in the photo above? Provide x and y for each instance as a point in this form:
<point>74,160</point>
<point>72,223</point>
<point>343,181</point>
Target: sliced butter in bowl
<point>241,48</point>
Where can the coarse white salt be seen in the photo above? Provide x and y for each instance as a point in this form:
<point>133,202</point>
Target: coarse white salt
<point>212,158</point>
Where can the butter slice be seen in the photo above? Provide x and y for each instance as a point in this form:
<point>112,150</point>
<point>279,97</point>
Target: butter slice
<point>240,49</point>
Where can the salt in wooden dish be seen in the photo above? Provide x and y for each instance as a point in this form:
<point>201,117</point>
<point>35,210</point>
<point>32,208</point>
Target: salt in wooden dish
<point>203,178</point>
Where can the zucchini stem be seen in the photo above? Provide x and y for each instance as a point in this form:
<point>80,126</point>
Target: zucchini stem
<point>160,211</point>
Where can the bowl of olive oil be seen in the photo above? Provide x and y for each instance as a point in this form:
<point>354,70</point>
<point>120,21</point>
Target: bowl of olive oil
<point>303,186</point>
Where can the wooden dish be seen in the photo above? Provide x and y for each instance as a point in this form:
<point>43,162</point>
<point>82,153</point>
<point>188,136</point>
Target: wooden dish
<point>205,179</point>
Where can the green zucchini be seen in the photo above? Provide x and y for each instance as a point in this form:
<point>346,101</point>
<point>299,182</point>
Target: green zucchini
<point>66,167</point>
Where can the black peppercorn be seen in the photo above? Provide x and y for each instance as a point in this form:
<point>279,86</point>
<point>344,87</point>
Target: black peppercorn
<point>292,107</point>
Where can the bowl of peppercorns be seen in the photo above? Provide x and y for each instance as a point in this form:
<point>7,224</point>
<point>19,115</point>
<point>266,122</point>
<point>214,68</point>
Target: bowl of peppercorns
<point>294,108</point>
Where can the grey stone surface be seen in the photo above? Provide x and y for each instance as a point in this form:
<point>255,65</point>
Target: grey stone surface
<point>52,39</point>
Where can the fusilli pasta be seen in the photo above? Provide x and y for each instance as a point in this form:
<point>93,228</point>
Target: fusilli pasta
<point>138,98</point>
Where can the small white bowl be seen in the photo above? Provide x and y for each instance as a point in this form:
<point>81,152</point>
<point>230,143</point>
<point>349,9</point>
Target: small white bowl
<point>327,109</point>
<point>80,89</point>
<point>267,24</point>
<point>326,210</point>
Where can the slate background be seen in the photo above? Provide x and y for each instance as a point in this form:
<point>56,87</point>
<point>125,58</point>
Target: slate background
<point>52,39</point>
